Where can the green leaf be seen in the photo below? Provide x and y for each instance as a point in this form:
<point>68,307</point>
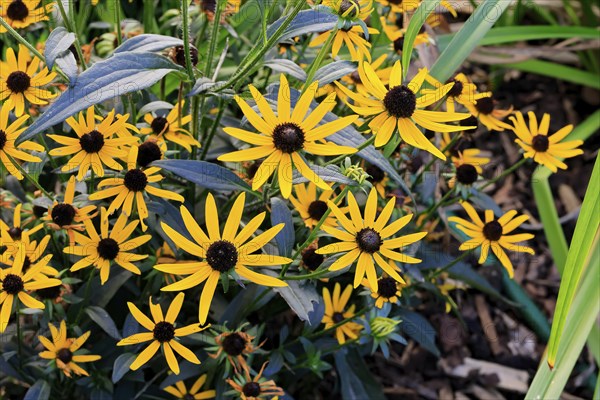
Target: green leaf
<point>205,174</point>
<point>416,23</point>
<point>473,31</point>
<point>300,296</point>
<point>308,21</point>
<point>356,380</point>
<point>586,233</point>
<point>558,71</point>
<point>39,391</point>
<point>121,366</point>
<point>280,213</point>
<point>101,317</point>
<point>510,34</point>
<point>419,329</point>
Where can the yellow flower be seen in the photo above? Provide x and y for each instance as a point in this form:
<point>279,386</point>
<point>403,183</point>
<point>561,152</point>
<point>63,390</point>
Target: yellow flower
<point>395,29</point>
<point>65,215</point>
<point>33,256</point>
<point>94,146</point>
<point>8,135</point>
<point>16,236</point>
<point>351,9</point>
<point>227,254</point>
<point>544,149</point>
<point>282,137</point>
<point>22,13</point>
<point>463,92</point>
<point>357,45</point>
<point>388,290</point>
<point>494,234</point>
<point>378,179</point>
<point>403,6</point>
<point>336,312</point>
<point>256,388</point>
<point>132,187</point>
<point>63,350</point>
<point>16,283</point>
<point>310,206</point>
<point>369,239</point>
<point>170,128</point>
<point>162,333</point>
<point>209,7</point>
<point>354,78</point>
<point>234,345</point>
<point>19,80</point>
<point>180,391</point>
<point>484,108</point>
<point>101,250</point>
<point>398,106</point>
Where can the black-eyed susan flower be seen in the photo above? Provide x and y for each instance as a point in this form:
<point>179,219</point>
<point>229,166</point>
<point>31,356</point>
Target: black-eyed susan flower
<point>22,13</point>
<point>247,388</point>
<point>312,206</point>
<point>149,151</point>
<point>15,236</point>
<point>402,6</point>
<point>378,178</point>
<point>545,150</point>
<point>63,350</point>
<point>100,251</point>
<point>398,107</point>
<point>234,346</point>
<point>311,260</point>
<point>484,109</point>
<point>180,391</point>
<point>9,152</point>
<point>16,284</point>
<point>355,80</point>
<point>281,138</point>
<point>394,28</point>
<point>368,240</point>
<point>20,81</point>
<point>209,7</point>
<point>493,234</point>
<point>388,290</point>
<point>132,187</point>
<point>65,215</point>
<point>336,311</point>
<point>230,253</point>
<point>162,333</point>
<point>34,255</point>
<point>170,128</point>
<point>95,146</point>
<point>463,92</point>
<point>349,11</point>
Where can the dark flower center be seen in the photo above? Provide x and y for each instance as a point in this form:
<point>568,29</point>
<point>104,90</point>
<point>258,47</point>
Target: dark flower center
<point>386,287</point>
<point>337,317</point>
<point>492,231</point>
<point>368,240</point>
<point>222,256</point>
<point>466,174</point>
<point>355,76</point>
<point>188,396</point>
<point>147,153</point>
<point>3,139</point>
<point>234,344</point>
<point>376,173</point>
<point>396,2</point>
<point>350,5</point>
<point>63,214</point>
<point>92,142</point>
<point>49,293</point>
<point>15,233</point>
<point>400,102</point>
<point>456,89</point>
<point>288,137</point>
<point>164,331</point>
<point>65,355</point>
<point>540,143</point>
<point>135,180</point>
<point>399,44</point>
<point>251,389</point>
<point>12,284</point>
<point>108,248</point>
<point>18,82</point>
<point>159,125</point>
<point>471,121</point>
<point>179,56</point>
<point>311,259</point>
<point>317,209</point>
<point>485,105</point>
<point>208,5</point>
<point>17,11</point>
<point>39,211</point>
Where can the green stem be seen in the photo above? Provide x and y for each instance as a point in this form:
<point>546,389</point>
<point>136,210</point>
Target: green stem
<point>19,334</point>
<point>21,39</point>
<point>29,177</point>
<point>185,8</point>
<point>213,129</point>
<point>86,296</point>
<point>429,212</point>
<point>362,146</point>
<point>316,64</point>
<point>445,268</point>
<point>505,173</point>
<point>72,27</point>
<point>434,159</point>
<point>312,275</point>
<point>214,37</point>
<point>117,21</point>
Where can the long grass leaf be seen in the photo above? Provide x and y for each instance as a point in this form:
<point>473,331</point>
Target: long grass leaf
<point>558,71</point>
<point>415,25</point>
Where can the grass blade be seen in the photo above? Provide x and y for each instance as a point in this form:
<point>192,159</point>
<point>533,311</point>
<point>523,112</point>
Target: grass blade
<point>553,70</point>
<point>463,43</point>
<point>415,25</point>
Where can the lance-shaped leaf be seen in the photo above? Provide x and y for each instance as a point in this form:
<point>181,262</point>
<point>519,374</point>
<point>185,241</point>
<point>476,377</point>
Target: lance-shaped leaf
<point>148,43</point>
<point>308,21</point>
<point>205,174</point>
